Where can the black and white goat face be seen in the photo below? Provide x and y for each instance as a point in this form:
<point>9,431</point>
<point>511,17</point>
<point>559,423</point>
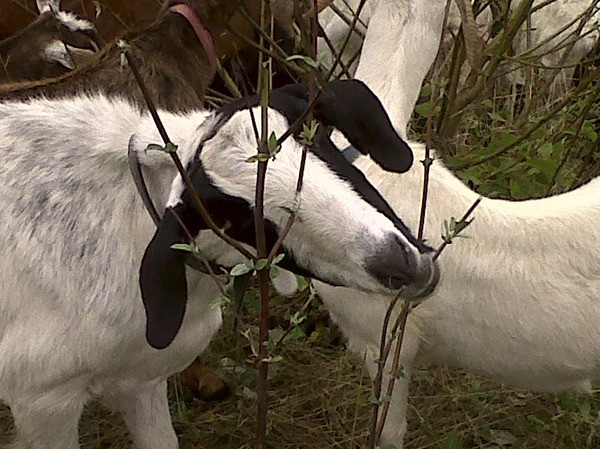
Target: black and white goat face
<point>344,233</point>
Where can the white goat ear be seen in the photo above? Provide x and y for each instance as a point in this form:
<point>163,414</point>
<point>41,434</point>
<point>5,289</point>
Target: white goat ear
<point>66,55</point>
<point>56,51</point>
<point>79,56</point>
<point>47,5</point>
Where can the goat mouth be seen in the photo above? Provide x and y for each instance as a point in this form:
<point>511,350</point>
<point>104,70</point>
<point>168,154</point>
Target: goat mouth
<point>425,285</point>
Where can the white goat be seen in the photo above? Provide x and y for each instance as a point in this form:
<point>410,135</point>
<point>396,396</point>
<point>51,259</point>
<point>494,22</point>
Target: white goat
<point>73,234</point>
<point>398,31</point>
<point>550,41</point>
<point>405,33</point>
<point>519,302</point>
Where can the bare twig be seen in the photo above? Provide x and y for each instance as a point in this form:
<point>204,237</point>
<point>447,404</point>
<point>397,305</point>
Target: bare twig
<point>538,124</point>
<point>378,422</point>
<point>261,244</point>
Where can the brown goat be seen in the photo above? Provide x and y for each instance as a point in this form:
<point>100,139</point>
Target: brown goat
<point>119,16</point>
<point>173,62</point>
<point>113,16</point>
<point>52,45</point>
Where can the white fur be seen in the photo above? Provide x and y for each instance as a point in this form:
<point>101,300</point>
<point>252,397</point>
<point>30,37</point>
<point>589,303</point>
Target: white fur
<point>58,51</point>
<point>401,34</point>
<point>72,236</point>
<point>74,23</point>
<point>550,28</point>
<point>520,301</point>
<point>47,5</point>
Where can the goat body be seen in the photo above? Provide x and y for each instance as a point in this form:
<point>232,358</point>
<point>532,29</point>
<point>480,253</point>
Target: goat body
<point>519,302</point>
<point>171,60</point>
<point>74,233</point>
<point>117,17</point>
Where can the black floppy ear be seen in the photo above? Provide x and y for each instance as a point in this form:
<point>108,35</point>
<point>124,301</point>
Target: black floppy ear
<point>163,283</point>
<point>352,107</point>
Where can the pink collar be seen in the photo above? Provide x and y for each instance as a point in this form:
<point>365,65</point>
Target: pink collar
<point>201,32</point>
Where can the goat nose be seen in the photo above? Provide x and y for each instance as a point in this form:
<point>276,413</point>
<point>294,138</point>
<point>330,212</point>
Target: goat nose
<point>400,265</point>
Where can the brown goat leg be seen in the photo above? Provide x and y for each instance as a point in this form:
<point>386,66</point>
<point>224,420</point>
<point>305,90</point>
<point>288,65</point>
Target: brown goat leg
<point>204,383</point>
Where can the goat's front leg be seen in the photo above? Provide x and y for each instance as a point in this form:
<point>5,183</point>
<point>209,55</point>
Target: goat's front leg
<point>146,414</point>
<point>49,420</point>
<point>395,425</point>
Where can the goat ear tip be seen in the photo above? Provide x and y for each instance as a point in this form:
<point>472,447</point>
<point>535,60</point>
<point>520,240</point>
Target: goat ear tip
<point>157,340</point>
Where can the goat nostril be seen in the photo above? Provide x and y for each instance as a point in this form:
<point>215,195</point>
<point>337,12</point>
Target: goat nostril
<point>397,282</point>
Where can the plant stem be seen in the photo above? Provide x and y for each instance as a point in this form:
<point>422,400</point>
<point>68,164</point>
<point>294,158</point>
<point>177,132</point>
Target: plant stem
<point>261,244</point>
<point>198,204</point>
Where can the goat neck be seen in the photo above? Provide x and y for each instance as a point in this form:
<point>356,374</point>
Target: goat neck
<point>201,32</point>
<point>395,72</point>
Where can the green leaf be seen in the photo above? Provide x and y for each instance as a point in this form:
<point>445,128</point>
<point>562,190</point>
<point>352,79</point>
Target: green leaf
<point>306,59</point>
<point>260,264</point>
<point>273,359</point>
<point>423,109</point>
<point>308,133</point>
<point>259,157</point>
<point>273,272</point>
<point>187,247</point>
<point>503,438</point>
<point>221,301</point>
<point>546,149</point>
<point>248,393</point>
<point>272,144</point>
<point>155,147</point>
<point>278,258</point>
<point>297,333</point>
<point>507,138</point>
<point>240,269</point>
<point>168,148</point>
<point>453,441</point>
<point>303,283</point>
<point>545,167</point>
<point>297,319</point>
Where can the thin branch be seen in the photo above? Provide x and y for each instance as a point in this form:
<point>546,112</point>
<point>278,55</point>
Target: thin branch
<point>264,82</point>
<point>529,131</point>
<point>378,422</point>
<point>182,171</point>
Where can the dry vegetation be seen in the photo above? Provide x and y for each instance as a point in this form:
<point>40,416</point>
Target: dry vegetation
<point>319,395</point>
<point>319,399</point>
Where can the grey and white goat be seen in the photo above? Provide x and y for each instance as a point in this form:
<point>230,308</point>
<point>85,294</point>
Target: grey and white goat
<point>75,323</point>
